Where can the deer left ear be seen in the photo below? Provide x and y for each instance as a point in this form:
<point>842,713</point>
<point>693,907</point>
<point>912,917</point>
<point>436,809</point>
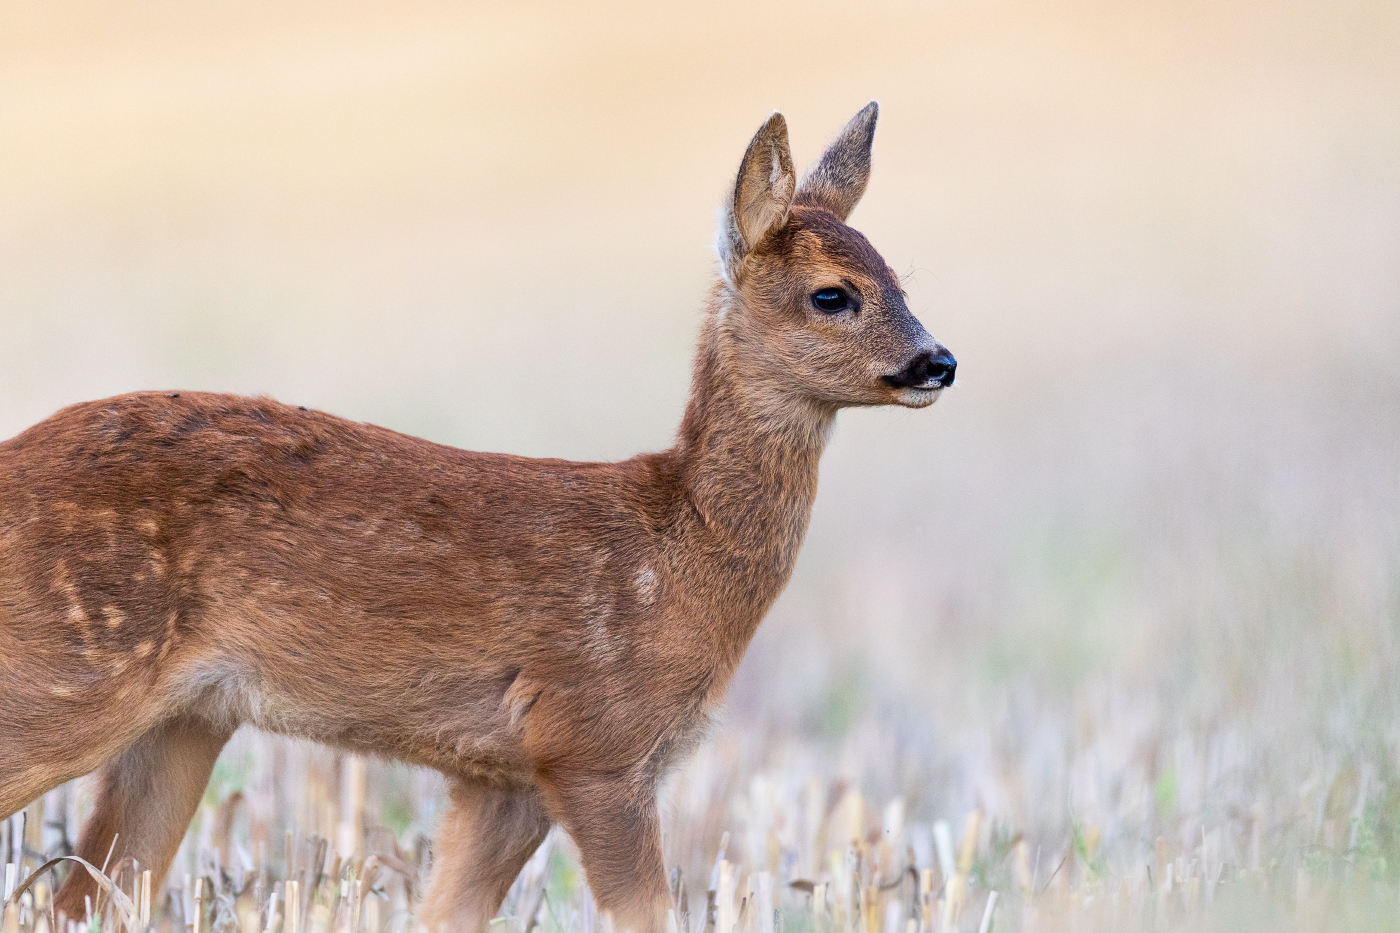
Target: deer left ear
<point>838,179</point>
<point>762,196</point>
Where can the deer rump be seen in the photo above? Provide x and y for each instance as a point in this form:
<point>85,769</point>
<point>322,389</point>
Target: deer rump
<point>550,635</point>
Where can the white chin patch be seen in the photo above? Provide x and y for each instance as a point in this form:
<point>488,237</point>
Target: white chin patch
<point>920,398</point>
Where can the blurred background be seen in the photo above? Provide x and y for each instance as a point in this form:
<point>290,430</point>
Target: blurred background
<point>1139,571</point>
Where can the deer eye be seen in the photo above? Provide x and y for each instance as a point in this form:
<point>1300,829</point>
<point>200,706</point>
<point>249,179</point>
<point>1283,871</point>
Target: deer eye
<point>831,300</point>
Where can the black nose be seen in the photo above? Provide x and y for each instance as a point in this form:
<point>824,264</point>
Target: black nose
<point>942,368</point>
<point>926,370</point>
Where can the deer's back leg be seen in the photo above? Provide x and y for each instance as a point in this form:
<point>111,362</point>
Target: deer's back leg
<point>146,796</point>
<point>68,701</point>
<point>23,780</point>
<point>487,836</point>
<point>47,740</point>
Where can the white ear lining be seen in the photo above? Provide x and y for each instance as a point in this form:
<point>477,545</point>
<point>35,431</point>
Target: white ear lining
<point>746,220</point>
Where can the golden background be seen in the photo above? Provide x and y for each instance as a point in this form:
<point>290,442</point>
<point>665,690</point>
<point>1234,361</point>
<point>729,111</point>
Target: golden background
<point>1155,528</point>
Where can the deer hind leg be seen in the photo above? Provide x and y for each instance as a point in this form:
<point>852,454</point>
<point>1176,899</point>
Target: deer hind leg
<point>145,798</point>
<point>615,826</point>
<point>19,786</point>
<point>487,836</point>
<point>44,743</point>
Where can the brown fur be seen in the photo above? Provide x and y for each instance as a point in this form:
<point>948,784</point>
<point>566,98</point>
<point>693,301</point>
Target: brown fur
<point>550,635</point>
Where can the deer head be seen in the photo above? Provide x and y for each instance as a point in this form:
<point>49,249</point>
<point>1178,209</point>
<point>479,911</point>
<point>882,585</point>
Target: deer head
<point>809,312</point>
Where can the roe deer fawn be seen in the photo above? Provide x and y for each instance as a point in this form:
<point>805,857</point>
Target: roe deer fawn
<point>552,636</point>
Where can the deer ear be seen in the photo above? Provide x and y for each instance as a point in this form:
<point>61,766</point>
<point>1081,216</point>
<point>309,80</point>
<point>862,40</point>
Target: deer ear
<point>762,195</point>
<point>838,180</point>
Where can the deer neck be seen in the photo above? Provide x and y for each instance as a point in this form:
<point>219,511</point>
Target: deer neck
<point>748,454</point>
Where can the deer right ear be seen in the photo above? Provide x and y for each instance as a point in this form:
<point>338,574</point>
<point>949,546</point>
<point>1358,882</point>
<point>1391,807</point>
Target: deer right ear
<point>838,180</point>
<point>762,196</point>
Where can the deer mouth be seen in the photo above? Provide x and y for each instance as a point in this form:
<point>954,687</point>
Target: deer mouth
<point>919,396</point>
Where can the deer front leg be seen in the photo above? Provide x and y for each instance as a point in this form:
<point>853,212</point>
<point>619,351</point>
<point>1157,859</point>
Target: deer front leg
<point>615,827</point>
<point>487,836</point>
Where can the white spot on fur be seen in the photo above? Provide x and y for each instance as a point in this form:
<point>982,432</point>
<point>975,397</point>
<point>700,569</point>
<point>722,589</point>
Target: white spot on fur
<point>62,584</point>
<point>604,644</point>
<point>646,586</point>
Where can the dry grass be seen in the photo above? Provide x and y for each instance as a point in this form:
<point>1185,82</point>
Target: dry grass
<point>1131,592</point>
<point>764,835</point>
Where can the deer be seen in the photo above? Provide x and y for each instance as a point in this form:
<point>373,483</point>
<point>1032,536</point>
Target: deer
<point>552,636</point>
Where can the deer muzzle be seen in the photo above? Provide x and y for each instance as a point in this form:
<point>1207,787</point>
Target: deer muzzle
<point>930,369</point>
